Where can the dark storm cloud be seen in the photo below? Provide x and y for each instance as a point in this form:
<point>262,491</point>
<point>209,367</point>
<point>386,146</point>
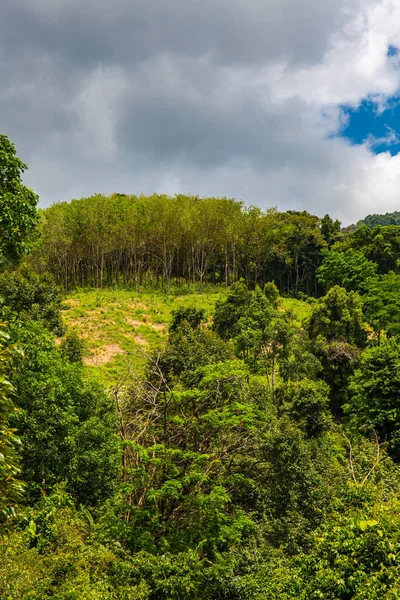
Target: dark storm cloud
<point>49,49</point>
<point>125,32</point>
<point>199,128</point>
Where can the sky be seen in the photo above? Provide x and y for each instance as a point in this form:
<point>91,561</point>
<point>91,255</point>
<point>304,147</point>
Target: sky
<point>274,102</point>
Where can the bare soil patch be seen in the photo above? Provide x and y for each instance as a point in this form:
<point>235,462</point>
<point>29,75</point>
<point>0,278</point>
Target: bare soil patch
<point>103,355</point>
<point>134,322</point>
<point>139,339</point>
<point>135,305</point>
<point>71,302</point>
<point>158,326</point>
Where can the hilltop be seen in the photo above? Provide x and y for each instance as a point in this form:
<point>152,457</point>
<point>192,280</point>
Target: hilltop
<point>392,218</point>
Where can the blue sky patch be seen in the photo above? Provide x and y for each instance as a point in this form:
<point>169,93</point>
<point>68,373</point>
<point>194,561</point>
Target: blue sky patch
<point>393,51</point>
<point>382,128</point>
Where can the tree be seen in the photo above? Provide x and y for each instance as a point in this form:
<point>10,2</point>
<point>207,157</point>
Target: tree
<point>67,426</point>
<point>386,219</point>
<point>229,310</point>
<point>181,446</point>
<point>337,334</point>
<point>25,294</point>
<point>382,304</point>
<point>189,347</point>
<point>299,480</point>
<point>264,335</point>
<point>338,318</point>
<point>349,269</point>
<point>330,230</point>
<point>72,347</point>
<point>381,245</point>
<point>191,315</point>
<point>157,239</point>
<point>375,393</point>
<point>355,554</point>
<point>307,403</point>
<point>305,242</point>
<point>253,327</point>
<point>272,293</point>
<point>18,217</point>
<point>10,487</point>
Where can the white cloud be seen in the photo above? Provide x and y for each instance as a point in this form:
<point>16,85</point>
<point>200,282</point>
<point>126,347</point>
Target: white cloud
<point>356,66</point>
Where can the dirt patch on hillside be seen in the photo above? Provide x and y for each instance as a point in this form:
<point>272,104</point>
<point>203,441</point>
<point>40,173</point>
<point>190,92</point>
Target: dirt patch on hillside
<point>134,322</point>
<point>158,326</point>
<point>139,339</point>
<point>146,323</point>
<point>103,355</point>
<point>134,305</point>
<point>70,302</point>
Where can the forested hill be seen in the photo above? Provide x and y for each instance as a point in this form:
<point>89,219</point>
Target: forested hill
<point>198,400</point>
<point>392,218</point>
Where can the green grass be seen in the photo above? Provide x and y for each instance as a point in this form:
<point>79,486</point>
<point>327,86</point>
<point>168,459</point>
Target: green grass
<point>300,309</point>
<point>120,328</point>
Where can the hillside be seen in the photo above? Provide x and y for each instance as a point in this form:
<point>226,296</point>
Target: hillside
<point>121,328</point>
<point>196,408</point>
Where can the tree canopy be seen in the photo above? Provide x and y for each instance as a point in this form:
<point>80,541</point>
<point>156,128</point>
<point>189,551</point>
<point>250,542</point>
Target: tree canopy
<point>18,216</point>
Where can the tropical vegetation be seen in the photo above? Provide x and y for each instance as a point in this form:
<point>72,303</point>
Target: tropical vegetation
<point>243,443</point>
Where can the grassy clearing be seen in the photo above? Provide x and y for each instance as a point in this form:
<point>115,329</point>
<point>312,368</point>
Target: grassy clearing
<point>300,309</point>
<point>121,327</point>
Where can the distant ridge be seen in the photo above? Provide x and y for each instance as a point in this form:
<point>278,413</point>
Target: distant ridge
<point>392,218</point>
<point>371,221</point>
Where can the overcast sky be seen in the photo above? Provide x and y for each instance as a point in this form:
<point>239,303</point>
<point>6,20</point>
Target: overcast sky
<point>243,98</point>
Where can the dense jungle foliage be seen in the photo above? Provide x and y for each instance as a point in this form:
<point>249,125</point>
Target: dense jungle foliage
<point>255,457</point>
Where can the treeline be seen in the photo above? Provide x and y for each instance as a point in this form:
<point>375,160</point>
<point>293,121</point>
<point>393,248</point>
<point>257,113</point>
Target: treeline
<point>154,240</point>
